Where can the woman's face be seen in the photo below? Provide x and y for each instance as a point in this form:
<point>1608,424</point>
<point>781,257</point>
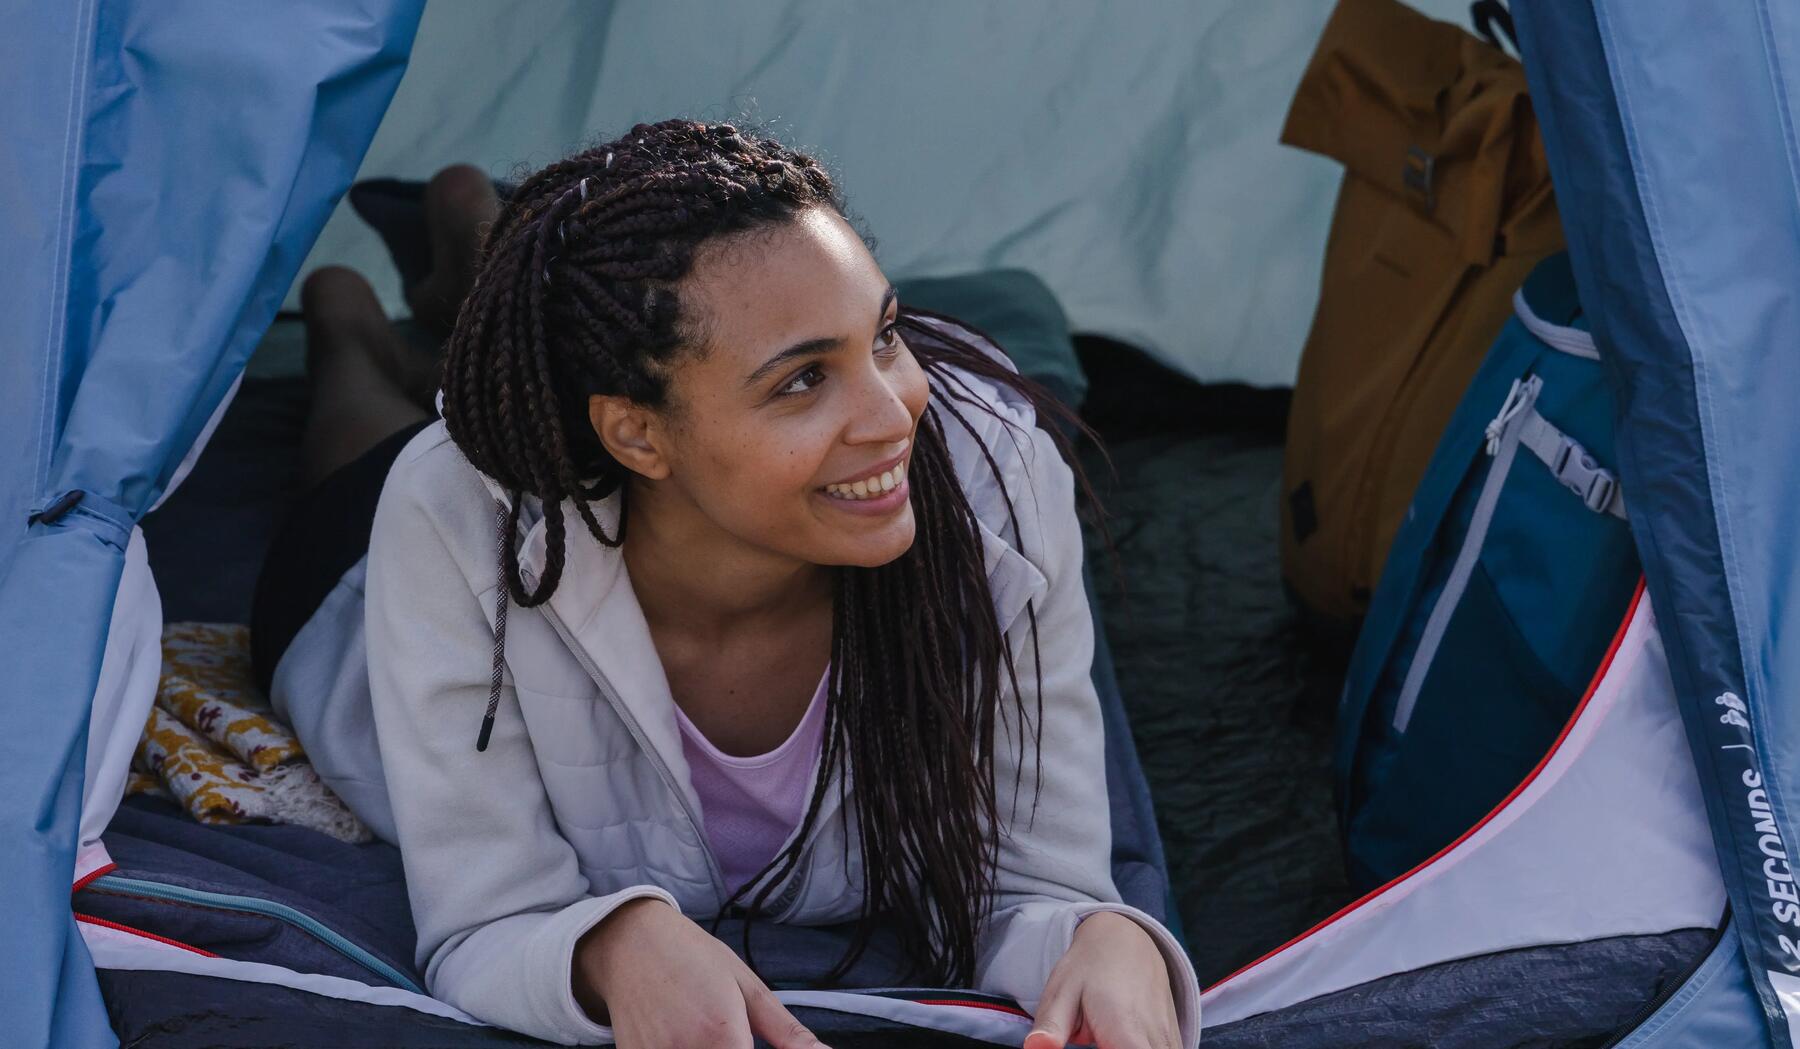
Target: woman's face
<point>793,428</point>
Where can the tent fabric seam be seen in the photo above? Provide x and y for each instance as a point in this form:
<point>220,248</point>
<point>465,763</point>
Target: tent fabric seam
<point>1682,311</point>
<point>107,923</point>
<point>1778,82</point>
<point>74,142</point>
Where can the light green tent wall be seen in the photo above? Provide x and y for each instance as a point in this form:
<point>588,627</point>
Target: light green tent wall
<point>1125,152</point>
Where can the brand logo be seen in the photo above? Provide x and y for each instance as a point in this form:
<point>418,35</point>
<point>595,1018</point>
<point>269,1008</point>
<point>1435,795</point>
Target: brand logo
<point>1735,710</point>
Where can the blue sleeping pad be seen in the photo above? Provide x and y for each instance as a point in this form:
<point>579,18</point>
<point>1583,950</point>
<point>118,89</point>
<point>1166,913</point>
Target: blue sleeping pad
<point>292,897</point>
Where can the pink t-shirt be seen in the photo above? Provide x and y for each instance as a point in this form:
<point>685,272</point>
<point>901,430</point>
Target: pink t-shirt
<point>751,805</point>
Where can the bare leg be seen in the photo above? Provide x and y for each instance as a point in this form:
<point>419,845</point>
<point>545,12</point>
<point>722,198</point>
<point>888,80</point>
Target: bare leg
<point>353,355</point>
<point>460,204</point>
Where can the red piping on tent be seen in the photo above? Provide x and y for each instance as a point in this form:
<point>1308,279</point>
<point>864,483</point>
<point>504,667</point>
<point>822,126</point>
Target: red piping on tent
<point>91,875</point>
<point>1010,1011</point>
<point>1580,708</point>
<point>102,922</point>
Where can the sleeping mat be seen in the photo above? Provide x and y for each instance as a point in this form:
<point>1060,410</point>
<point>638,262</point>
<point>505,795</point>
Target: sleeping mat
<point>322,906</point>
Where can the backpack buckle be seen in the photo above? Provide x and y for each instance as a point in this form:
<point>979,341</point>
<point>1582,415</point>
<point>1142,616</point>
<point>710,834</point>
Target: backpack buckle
<point>1578,472</point>
<point>1599,495</point>
<point>1417,172</point>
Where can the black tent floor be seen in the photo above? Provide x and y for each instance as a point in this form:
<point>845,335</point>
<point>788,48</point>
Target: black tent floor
<point>1230,697</point>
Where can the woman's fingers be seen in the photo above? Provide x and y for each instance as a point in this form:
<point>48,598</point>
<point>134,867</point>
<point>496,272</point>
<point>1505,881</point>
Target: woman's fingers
<point>770,1020</point>
<point>1056,1018</point>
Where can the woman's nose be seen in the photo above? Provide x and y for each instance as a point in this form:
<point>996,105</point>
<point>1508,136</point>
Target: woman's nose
<point>880,414</point>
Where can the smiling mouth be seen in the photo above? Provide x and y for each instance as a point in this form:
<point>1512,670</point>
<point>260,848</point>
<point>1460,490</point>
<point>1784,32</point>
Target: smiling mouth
<point>873,487</point>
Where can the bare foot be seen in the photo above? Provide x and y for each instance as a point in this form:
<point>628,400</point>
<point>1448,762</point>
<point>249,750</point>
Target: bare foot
<point>460,204</point>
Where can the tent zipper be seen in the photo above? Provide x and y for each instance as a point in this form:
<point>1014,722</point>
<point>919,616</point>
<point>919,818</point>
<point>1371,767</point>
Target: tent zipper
<point>253,905</point>
<point>1662,997</point>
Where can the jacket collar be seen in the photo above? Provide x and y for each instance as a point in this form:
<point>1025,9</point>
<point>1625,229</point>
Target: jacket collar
<point>596,602</point>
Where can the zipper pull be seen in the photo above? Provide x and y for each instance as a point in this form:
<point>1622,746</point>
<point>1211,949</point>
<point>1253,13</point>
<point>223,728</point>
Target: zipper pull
<point>1517,401</point>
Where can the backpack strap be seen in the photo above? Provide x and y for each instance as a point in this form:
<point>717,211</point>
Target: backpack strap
<point>1560,337</point>
<point>1504,437</point>
<point>1518,425</point>
<point>1571,465</point>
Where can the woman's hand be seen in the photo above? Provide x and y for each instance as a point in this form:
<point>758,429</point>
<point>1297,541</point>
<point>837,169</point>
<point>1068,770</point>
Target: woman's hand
<point>1111,990</point>
<point>667,984</point>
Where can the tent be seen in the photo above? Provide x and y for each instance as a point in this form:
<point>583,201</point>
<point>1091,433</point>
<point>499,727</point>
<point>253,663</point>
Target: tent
<point>1671,138</point>
<point>1123,218</point>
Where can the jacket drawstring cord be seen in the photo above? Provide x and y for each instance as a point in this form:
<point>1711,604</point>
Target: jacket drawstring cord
<point>500,603</point>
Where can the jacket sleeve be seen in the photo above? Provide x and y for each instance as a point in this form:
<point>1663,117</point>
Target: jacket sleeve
<point>497,896</point>
<point>1055,840</point>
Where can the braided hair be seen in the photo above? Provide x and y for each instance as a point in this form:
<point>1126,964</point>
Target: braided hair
<point>576,294</point>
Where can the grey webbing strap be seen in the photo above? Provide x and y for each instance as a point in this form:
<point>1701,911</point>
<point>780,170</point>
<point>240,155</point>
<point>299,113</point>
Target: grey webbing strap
<point>1517,425</point>
<point>1503,433</point>
<point>1561,338</point>
<point>1571,465</point>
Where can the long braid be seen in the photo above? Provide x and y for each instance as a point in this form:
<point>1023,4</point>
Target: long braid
<point>576,295</point>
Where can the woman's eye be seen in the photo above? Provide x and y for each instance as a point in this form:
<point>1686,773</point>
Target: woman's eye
<point>887,344</point>
<point>808,377</point>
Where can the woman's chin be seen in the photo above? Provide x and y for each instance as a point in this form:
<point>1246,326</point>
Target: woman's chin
<point>869,541</point>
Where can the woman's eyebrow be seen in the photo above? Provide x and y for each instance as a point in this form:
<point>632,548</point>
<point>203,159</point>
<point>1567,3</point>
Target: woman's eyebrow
<point>812,347</point>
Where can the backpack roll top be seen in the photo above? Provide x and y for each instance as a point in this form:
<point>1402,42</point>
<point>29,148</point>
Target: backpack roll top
<point>1444,209</point>
<point>1504,585</point>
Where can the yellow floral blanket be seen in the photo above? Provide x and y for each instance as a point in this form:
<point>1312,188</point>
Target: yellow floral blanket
<point>213,744</point>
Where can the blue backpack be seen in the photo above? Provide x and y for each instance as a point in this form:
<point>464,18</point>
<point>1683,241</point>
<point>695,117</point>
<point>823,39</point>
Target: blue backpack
<point>1501,592</point>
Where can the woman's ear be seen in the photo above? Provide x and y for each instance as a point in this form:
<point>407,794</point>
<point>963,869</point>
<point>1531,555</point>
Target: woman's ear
<point>631,433</point>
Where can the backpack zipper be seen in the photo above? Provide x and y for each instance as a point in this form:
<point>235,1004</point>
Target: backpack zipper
<point>254,905</point>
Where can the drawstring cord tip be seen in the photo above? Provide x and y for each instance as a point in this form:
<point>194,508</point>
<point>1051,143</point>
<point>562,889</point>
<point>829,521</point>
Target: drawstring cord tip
<point>502,535</point>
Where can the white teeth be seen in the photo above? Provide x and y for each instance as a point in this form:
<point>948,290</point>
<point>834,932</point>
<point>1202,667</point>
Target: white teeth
<point>870,487</point>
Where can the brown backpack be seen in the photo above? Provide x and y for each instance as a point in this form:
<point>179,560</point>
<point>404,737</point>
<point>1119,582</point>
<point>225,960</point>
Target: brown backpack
<point>1445,207</point>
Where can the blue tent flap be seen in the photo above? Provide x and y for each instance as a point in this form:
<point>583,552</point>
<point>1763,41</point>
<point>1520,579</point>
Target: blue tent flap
<point>1670,134</point>
<point>171,165</point>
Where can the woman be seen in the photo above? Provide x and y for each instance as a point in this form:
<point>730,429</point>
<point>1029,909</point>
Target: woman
<point>725,585</point>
